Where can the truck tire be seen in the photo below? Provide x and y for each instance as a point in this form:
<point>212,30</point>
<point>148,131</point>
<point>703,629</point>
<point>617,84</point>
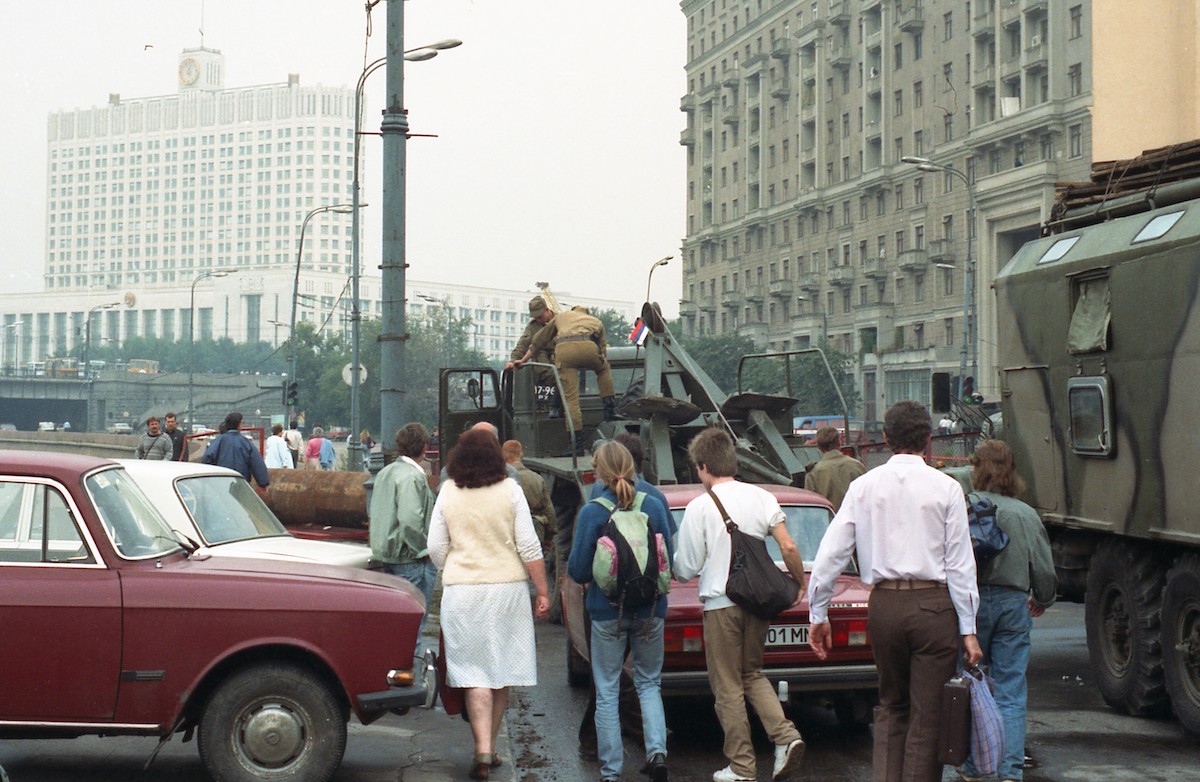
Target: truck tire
<point>1122,611</point>
<point>273,721</point>
<point>1181,640</point>
<point>579,672</point>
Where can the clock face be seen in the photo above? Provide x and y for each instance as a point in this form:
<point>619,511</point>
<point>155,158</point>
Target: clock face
<point>189,71</point>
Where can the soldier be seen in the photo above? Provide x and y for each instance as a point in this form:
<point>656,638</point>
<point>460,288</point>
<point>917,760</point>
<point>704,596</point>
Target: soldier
<point>536,494</point>
<point>541,314</point>
<point>831,476</point>
<point>578,340</point>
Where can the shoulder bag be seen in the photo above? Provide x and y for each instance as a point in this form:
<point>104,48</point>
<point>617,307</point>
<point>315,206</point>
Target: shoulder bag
<point>755,582</point>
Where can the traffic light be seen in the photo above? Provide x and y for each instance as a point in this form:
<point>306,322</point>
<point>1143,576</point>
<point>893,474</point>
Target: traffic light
<point>290,392</point>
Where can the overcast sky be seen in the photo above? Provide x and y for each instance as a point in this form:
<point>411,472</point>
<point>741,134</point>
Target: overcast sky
<point>557,155</point>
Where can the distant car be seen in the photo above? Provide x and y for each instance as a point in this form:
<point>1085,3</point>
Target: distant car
<point>119,428</point>
<point>846,680</point>
<point>218,509</point>
<point>118,628</point>
<point>8,427</point>
<point>337,433</point>
<point>46,426</point>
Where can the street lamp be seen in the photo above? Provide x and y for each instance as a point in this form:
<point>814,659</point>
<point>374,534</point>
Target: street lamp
<point>650,276</point>
<point>191,410</point>
<point>87,346</point>
<point>445,302</point>
<point>970,335</point>
<point>340,209</point>
<point>394,130</point>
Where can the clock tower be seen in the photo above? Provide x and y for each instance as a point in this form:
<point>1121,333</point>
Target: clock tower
<point>201,69</point>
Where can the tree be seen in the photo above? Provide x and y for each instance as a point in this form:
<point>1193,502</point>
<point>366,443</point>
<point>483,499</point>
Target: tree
<point>616,326</point>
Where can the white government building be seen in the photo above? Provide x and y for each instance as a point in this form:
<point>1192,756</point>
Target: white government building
<point>151,201</point>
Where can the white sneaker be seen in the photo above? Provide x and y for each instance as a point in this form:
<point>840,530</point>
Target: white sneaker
<point>787,758</point>
<point>727,774</point>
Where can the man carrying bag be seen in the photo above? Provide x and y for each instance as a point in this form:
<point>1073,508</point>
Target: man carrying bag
<point>734,638</point>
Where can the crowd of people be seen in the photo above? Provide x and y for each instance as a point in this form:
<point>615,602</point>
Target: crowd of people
<point>486,527</point>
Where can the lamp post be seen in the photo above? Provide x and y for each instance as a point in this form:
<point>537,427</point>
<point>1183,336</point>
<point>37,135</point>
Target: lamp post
<point>394,130</point>
<point>191,410</point>
<point>444,301</point>
<point>340,209</point>
<point>650,276</point>
<point>970,335</point>
<point>421,53</point>
<point>87,346</point>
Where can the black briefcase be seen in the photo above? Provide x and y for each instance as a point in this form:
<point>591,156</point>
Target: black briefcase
<point>954,727</point>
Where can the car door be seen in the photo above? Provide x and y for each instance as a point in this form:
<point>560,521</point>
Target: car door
<point>60,610</point>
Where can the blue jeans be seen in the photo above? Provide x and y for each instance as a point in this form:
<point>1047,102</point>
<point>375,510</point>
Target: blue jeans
<point>609,641</point>
<point>421,575</point>
<point>1003,625</point>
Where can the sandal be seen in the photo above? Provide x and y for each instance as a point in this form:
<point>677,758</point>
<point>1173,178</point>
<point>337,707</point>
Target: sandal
<point>483,765</point>
<point>496,761</point>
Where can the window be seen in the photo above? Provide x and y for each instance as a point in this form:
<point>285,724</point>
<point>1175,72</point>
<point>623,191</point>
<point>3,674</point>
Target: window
<point>918,95</point>
<point>1090,316</point>
<point>898,56</point>
<point>1075,80</point>
<point>1075,140</point>
<point>36,526</point>
<point>1158,227</point>
<point>1089,400</point>
<point>948,75</point>
<point>948,26</point>
<point>898,103</point>
<point>1076,21</point>
<point>948,331</point>
<point>917,47</point>
<point>899,197</point>
<point>948,127</point>
<point>918,143</point>
<point>919,190</point>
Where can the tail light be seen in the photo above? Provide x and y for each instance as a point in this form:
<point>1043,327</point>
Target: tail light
<point>688,639</point>
<point>850,632</point>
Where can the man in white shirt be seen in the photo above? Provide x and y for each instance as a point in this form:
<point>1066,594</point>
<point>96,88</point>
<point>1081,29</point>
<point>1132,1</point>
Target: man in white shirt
<point>908,523</point>
<point>735,639</point>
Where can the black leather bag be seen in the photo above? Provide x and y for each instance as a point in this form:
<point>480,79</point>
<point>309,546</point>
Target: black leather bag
<point>755,582</point>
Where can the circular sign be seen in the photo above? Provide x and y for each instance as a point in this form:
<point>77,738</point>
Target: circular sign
<point>348,378</point>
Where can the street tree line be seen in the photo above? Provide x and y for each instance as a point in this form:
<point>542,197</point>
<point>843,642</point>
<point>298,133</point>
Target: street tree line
<point>438,339</point>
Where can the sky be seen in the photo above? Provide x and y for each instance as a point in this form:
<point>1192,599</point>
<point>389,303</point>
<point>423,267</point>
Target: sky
<point>556,154</point>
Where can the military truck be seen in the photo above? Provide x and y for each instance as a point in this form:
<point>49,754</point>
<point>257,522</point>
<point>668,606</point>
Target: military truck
<point>1099,358</point>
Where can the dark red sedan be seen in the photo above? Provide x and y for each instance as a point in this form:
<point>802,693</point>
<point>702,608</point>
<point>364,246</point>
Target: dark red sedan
<point>846,680</point>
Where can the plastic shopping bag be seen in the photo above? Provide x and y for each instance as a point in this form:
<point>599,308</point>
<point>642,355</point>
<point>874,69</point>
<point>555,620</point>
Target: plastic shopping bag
<point>987,728</point>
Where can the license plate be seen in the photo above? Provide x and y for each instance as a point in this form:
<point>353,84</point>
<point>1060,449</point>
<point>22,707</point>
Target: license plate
<point>787,635</point>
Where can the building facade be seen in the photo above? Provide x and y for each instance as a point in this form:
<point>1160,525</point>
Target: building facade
<point>191,207</point>
<point>806,224</point>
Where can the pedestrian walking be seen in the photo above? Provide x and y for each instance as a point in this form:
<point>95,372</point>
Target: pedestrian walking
<point>908,524</point>
<point>153,445</point>
<point>231,449</point>
<point>400,511</point>
<point>831,475</point>
<point>1015,587</point>
<point>275,450</point>
<point>481,536</point>
<point>295,442</point>
<point>318,453</point>
<point>172,430</point>
<point>734,639</point>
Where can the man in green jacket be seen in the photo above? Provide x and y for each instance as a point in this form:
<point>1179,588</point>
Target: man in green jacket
<point>401,506</point>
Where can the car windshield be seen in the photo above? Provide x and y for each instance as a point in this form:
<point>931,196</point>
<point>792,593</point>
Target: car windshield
<point>224,508</point>
<point>806,524</point>
<point>137,530</point>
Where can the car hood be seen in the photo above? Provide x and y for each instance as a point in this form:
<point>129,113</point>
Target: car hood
<point>288,548</point>
<point>305,571</point>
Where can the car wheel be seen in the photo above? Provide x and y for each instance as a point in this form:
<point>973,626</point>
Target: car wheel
<point>1121,612</point>
<point>579,672</point>
<point>273,722</point>
<point>1181,640</point>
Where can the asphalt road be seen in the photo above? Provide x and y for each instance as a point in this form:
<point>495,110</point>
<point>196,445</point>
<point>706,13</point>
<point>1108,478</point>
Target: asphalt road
<point>1073,736</point>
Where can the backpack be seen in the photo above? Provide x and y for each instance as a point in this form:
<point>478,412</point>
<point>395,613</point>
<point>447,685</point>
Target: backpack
<point>987,538</point>
<point>630,566</point>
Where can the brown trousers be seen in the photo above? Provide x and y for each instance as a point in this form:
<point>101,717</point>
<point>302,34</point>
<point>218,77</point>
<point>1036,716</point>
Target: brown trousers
<point>734,640</point>
<point>570,357</point>
<point>915,638</point>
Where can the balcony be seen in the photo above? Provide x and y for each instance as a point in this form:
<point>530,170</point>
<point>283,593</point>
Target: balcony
<point>810,31</point>
<point>1036,54</point>
<point>688,102</point>
<point>755,59</point>
<point>985,74</point>
<point>874,268</point>
<point>731,299</point>
<point>878,314</point>
<point>688,309</point>
<point>755,295</point>
<point>914,260</point>
<point>809,282</point>
<point>912,19</point>
<point>781,87</point>
<point>708,305</point>
<point>707,90</point>
<point>941,251</point>
<point>687,137</point>
<point>732,78</point>
<point>839,12</point>
<point>782,48</point>
<point>731,116</point>
<point>841,276</point>
<point>781,289</point>
<point>839,55</point>
<point>985,22</point>
<point>1035,6</point>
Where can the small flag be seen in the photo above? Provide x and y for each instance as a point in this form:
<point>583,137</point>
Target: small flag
<point>638,335</point>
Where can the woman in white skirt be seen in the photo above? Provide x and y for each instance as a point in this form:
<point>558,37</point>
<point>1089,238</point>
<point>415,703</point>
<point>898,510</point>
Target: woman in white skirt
<point>482,538</point>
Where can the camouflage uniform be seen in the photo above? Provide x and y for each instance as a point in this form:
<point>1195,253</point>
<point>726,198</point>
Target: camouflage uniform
<point>578,340</point>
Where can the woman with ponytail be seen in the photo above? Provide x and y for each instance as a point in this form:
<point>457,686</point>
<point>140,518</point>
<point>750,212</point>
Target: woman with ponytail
<point>613,629</point>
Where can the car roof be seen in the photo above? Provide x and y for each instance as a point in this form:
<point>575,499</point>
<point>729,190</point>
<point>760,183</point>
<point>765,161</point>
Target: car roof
<point>170,470</point>
<point>65,467</point>
<point>680,494</point>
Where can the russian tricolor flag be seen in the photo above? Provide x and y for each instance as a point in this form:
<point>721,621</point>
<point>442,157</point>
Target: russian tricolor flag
<point>638,335</point>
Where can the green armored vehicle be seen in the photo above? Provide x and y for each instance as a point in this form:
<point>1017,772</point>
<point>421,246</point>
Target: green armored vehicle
<point>1099,357</point>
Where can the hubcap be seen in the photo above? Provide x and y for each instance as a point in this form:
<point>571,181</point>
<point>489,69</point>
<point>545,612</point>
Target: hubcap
<point>1188,649</point>
<point>1116,641</point>
<point>272,735</point>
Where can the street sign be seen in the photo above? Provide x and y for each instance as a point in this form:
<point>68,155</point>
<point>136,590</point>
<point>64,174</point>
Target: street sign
<point>348,378</point>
